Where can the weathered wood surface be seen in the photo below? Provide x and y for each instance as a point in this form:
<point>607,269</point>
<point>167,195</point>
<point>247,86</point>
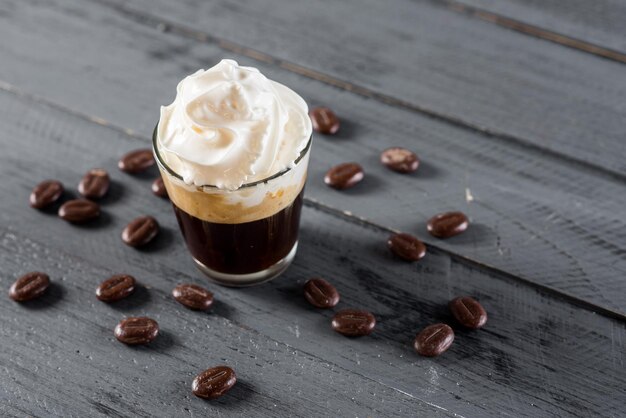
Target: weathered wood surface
<point>538,356</point>
<point>550,221</point>
<point>423,56</point>
<point>599,22</point>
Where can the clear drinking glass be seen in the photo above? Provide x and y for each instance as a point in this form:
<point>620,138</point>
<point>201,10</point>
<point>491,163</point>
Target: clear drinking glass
<point>241,237</point>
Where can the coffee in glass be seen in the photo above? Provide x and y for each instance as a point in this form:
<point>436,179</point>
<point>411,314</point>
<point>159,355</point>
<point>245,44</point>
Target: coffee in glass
<point>233,151</point>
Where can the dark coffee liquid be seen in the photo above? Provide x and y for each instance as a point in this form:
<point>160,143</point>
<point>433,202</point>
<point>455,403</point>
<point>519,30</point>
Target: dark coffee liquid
<point>242,248</point>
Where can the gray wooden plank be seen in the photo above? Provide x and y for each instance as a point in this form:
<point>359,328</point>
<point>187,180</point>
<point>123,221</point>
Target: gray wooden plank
<point>600,22</point>
<point>59,356</point>
<point>421,55</point>
<point>538,356</point>
<point>553,222</point>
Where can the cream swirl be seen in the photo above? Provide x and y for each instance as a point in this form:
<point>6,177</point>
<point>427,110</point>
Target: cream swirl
<point>230,125</point>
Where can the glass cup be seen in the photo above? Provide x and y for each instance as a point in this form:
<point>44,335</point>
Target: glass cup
<point>242,237</point>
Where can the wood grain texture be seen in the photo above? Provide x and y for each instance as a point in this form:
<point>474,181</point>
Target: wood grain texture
<point>556,223</point>
<point>60,358</point>
<point>537,356</point>
<point>599,22</point>
<point>422,56</point>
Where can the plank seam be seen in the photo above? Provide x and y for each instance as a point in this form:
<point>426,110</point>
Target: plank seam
<point>533,30</point>
<point>165,26</point>
<point>345,215</point>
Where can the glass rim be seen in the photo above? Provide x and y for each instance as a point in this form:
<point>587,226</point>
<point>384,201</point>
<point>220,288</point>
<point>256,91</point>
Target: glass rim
<point>170,171</point>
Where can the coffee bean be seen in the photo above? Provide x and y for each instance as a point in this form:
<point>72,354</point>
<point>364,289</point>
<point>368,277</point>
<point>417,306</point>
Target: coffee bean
<point>406,247</point>
<point>399,159</point>
<point>353,322</point>
<point>320,293</point>
<point>140,231</point>
<point>158,187</point>
<point>344,176</point>
<point>115,288</point>
<point>468,312</point>
<point>136,161</point>
<point>46,193</point>
<point>214,382</point>
<point>446,225</point>
<point>137,330</point>
<point>95,184</point>
<point>193,296</point>
<point>324,120</point>
<point>79,210</point>
<point>29,286</point>
<point>433,340</point>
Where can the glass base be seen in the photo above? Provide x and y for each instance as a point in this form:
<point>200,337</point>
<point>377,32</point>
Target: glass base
<point>250,279</point>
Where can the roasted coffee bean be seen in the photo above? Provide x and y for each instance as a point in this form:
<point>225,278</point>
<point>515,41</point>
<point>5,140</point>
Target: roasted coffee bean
<point>79,210</point>
<point>433,340</point>
<point>137,330</point>
<point>193,296</point>
<point>320,293</point>
<point>344,176</point>
<point>446,225</point>
<point>324,120</point>
<point>29,286</point>
<point>46,193</point>
<point>214,382</point>
<point>95,184</point>
<point>399,159</point>
<point>468,312</point>
<point>353,322</point>
<point>136,161</point>
<point>115,288</point>
<point>406,247</point>
<point>158,187</point>
<point>140,231</point>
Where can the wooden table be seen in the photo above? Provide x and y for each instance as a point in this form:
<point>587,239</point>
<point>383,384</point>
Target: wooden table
<point>517,110</point>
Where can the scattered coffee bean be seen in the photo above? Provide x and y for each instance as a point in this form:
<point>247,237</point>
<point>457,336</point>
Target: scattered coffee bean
<point>29,286</point>
<point>399,159</point>
<point>193,296</point>
<point>353,322</point>
<point>95,184</point>
<point>214,382</point>
<point>406,247</point>
<point>115,288</point>
<point>433,340</point>
<point>468,312</point>
<point>140,231</point>
<point>320,293</point>
<point>324,120</point>
<point>136,161</point>
<point>46,193</point>
<point>446,225</point>
<point>79,210</point>
<point>158,187</point>
<point>137,330</point>
<point>344,176</point>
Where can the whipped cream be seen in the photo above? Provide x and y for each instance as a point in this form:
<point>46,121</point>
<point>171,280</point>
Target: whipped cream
<point>230,125</point>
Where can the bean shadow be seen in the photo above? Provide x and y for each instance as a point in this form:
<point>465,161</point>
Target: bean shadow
<point>475,232</point>
<point>53,295</point>
<point>242,391</point>
<point>222,309</point>
<point>347,130</point>
<point>163,240</point>
<point>100,222</point>
<point>138,299</point>
<point>149,174</point>
<point>368,186</point>
<point>115,193</point>
<point>164,342</point>
<point>427,171</point>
